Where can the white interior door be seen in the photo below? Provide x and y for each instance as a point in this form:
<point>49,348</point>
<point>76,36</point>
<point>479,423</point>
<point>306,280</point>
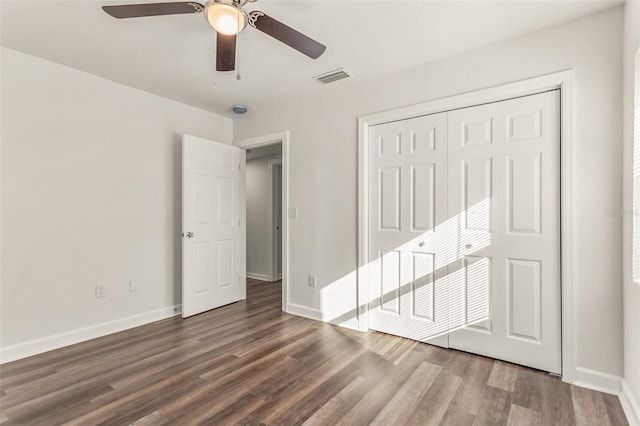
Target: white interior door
<point>464,230</point>
<point>212,219</point>
<point>409,232</point>
<point>504,188</point>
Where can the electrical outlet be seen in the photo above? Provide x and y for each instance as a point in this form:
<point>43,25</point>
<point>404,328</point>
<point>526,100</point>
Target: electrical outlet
<point>100,291</point>
<point>293,212</point>
<point>133,286</point>
<point>312,281</point>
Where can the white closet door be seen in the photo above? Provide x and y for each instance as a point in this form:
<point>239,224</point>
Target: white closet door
<point>409,232</point>
<point>504,172</point>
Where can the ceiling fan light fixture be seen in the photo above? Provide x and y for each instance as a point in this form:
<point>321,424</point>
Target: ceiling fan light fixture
<point>225,17</point>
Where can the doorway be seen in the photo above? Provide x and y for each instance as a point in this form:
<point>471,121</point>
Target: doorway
<point>263,180</point>
<point>282,170</point>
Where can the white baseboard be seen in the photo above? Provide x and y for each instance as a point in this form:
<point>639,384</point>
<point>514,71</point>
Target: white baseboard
<point>599,381</point>
<point>630,405</point>
<point>304,311</point>
<point>260,277</point>
<point>45,344</point>
<point>350,323</point>
<point>316,314</point>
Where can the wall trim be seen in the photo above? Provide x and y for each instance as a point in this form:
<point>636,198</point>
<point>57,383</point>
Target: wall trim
<point>597,380</point>
<point>318,315</point>
<point>264,140</point>
<point>56,341</point>
<point>260,277</point>
<point>564,81</point>
<point>305,311</point>
<point>630,405</point>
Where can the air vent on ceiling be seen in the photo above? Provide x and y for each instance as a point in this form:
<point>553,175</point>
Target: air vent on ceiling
<point>332,76</point>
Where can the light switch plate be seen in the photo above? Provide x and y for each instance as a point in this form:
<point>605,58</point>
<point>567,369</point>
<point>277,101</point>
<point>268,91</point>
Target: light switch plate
<point>293,212</point>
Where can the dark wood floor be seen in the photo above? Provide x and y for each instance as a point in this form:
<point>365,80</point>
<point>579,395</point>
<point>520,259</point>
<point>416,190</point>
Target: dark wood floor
<point>249,363</point>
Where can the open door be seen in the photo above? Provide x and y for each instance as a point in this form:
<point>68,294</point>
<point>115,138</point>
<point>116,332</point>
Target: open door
<point>212,225</point>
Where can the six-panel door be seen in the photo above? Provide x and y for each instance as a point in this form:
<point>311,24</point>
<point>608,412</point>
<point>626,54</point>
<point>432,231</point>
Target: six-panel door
<point>211,224</point>
<point>504,185</point>
<point>408,217</point>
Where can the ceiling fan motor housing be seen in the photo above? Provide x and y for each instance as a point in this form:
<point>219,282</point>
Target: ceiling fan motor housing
<point>225,16</point>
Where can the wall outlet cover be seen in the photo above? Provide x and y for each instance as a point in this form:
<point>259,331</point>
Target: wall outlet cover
<point>100,291</point>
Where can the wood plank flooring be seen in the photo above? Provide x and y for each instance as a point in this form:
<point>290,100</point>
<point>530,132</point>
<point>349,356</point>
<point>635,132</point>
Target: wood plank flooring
<point>249,363</point>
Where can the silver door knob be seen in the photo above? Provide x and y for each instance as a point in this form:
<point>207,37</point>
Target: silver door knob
<point>188,235</point>
<point>421,244</point>
<point>468,246</point>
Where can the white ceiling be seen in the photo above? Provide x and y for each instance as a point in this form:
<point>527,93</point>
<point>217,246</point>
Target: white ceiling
<point>174,56</point>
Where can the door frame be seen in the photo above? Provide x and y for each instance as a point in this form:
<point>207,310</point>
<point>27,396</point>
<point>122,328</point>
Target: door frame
<point>271,220</point>
<point>258,142</point>
<point>564,81</point>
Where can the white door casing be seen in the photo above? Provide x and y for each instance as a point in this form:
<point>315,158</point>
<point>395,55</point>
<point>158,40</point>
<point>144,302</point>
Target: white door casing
<point>504,174</point>
<point>408,229</point>
<point>212,218</point>
<point>496,210</point>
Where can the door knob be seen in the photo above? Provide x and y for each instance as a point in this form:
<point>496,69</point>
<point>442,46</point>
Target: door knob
<point>421,244</point>
<point>468,246</point>
<point>188,235</point>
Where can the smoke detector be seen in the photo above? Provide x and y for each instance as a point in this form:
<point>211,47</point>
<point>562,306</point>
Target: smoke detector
<point>239,109</point>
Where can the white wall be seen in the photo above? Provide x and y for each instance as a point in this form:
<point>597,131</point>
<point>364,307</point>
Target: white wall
<point>323,167</point>
<point>258,178</point>
<point>91,193</point>
<point>631,289</point>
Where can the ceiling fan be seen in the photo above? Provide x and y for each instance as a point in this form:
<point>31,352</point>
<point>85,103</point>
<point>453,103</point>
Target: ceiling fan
<point>228,18</point>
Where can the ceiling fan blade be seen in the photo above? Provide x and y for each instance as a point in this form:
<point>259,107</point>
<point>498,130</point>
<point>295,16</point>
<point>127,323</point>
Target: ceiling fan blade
<point>225,52</point>
<point>153,9</point>
<point>286,34</point>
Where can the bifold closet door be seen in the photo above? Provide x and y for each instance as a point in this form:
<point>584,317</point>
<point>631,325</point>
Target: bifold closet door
<point>504,190</point>
<point>409,233</point>
<point>464,230</point>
